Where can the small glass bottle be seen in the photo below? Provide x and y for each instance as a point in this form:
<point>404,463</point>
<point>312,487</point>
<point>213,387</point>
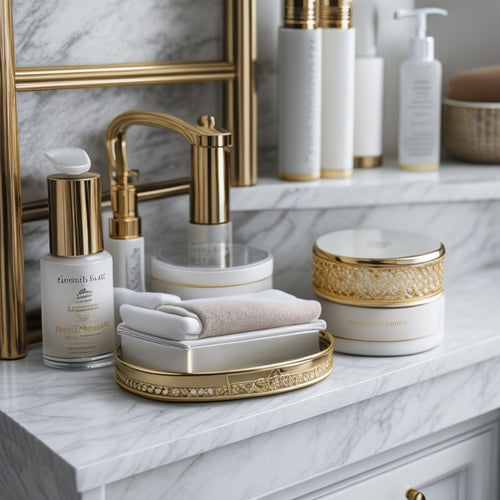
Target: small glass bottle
<point>77,276</point>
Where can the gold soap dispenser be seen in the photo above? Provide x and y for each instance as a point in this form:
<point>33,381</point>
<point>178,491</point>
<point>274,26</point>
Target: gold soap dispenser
<point>209,263</point>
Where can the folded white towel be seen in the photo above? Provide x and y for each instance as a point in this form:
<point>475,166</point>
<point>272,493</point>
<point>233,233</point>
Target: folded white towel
<point>148,300</point>
<point>201,318</point>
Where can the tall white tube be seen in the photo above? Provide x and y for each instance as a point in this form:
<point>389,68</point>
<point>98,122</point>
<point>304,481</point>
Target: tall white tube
<point>299,97</point>
<point>337,101</point>
<point>369,87</point>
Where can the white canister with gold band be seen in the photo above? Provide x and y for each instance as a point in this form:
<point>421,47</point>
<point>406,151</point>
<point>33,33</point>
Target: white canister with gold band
<point>382,291</point>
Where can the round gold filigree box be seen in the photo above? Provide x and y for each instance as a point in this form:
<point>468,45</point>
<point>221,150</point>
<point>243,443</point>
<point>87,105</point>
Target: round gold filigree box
<point>382,292</point>
<point>227,385</point>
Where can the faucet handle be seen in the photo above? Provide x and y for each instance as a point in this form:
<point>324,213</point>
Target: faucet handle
<point>207,121</point>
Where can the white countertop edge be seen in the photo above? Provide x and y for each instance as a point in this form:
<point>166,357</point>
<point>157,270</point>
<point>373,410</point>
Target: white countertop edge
<point>354,379</point>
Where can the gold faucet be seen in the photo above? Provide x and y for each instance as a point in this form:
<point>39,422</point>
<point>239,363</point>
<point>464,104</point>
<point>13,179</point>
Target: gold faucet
<point>209,187</point>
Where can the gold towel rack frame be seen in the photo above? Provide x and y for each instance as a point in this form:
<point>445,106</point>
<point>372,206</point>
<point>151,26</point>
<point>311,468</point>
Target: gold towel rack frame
<point>236,71</point>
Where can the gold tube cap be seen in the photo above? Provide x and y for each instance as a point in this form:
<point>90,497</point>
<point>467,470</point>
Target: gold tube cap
<point>335,14</point>
<point>75,224</point>
<point>301,14</point>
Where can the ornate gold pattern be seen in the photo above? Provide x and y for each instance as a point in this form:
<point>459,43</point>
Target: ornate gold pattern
<point>380,286</point>
<point>221,386</point>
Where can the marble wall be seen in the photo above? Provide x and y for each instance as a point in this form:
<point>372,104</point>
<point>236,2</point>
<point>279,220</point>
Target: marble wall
<point>53,32</point>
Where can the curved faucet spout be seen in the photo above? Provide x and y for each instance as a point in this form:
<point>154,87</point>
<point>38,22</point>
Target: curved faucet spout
<point>209,195</point>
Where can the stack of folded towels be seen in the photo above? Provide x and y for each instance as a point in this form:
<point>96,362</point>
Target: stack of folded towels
<point>218,333</point>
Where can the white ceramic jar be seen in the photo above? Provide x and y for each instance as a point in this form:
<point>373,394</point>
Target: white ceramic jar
<point>382,292</point>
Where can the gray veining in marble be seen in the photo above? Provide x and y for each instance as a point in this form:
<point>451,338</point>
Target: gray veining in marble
<point>106,434</point>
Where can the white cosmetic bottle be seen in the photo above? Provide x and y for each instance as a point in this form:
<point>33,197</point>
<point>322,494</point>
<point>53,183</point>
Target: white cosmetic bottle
<point>77,276</point>
<point>369,87</point>
<point>420,79</point>
<point>337,100</point>
<point>299,95</point>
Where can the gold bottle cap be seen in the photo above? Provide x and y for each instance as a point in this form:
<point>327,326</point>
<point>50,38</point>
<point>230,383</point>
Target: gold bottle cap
<point>335,14</point>
<point>301,14</point>
<point>75,224</point>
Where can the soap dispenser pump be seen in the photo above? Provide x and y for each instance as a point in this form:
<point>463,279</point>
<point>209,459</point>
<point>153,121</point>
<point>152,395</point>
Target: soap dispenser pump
<point>77,275</point>
<point>420,79</point>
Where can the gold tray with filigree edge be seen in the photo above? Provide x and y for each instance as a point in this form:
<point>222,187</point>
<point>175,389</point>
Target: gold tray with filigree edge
<point>223,386</point>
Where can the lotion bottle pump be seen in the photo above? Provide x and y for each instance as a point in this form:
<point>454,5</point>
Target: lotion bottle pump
<point>337,100</point>
<point>77,275</point>
<point>299,98</point>
<point>420,79</point>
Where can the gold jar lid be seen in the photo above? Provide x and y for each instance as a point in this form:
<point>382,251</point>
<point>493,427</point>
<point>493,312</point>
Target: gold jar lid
<point>378,268</point>
<point>75,224</point>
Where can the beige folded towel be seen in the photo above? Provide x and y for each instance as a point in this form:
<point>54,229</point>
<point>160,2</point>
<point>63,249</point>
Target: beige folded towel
<point>201,318</point>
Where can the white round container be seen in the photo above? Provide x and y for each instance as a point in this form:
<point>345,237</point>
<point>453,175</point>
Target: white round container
<point>243,270</point>
<point>381,291</point>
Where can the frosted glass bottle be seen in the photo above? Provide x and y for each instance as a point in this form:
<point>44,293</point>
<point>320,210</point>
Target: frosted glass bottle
<point>77,305</point>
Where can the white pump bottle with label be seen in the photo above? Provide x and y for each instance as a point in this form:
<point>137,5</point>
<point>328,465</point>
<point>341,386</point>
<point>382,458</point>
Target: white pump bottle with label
<point>420,97</point>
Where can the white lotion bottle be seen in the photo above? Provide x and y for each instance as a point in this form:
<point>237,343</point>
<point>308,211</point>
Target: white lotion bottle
<point>420,79</point>
<point>77,275</point>
<point>299,92</point>
<point>369,87</point>
<point>337,100</point>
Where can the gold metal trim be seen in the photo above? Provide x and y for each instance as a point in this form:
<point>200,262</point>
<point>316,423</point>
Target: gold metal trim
<point>237,70</point>
<point>187,285</point>
<point>106,75</point>
<point>381,286</point>
<point>412,494</point>
<point>335,336</point>
<point>367,161</point>
<point>336,14</point>
<point>336,174</point>
<point>410,260</point>
<point>301,14</point>
<point>419,168</point>
<point>12,293</point>
<point>224,386</point>
<point>298,177</point>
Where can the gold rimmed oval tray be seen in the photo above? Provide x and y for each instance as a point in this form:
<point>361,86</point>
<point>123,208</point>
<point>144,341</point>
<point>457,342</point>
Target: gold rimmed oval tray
<point>224,386</point>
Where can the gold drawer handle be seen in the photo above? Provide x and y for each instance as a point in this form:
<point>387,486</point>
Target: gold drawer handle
<point>412,494</point>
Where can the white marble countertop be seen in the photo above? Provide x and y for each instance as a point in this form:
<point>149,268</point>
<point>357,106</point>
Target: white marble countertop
<point>376,186</point>
<point>102,433</point>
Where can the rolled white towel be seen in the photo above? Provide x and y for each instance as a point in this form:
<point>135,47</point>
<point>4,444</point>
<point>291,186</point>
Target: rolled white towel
<point>147,300</point>
<point>210,317</point>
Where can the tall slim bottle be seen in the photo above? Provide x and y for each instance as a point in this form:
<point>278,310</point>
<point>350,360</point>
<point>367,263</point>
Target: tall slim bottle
<point>337,101</point>
<point>299,92</point>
